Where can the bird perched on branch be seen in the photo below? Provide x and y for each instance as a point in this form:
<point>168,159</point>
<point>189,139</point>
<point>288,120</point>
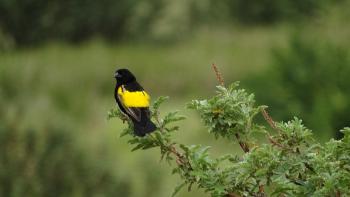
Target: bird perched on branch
<point>133,101</point>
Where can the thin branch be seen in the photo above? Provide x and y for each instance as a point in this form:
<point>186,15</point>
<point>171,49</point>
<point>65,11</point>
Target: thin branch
<point>272,124</point>
<point>261,190</point>
<point>179,157</point>
<point>171,148</point>
<point>273,142</point>
<point>243,145</point>
<point>269,120</point>
<point>338,194</point>
<point>218,75</point>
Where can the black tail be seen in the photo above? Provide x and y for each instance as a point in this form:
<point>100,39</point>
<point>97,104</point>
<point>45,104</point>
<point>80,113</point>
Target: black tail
<point>142,129</point>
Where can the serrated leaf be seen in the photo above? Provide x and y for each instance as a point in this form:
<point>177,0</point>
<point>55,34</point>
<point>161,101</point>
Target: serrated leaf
<point>133,141</point>
<point>124,133</point>
<point>175,128</point>
<point>158,136</point>
<point>159,101</point>
<point>137,147</point>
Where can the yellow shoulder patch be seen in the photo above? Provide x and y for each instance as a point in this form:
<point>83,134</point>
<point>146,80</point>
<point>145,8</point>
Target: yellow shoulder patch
<point>134,99</point>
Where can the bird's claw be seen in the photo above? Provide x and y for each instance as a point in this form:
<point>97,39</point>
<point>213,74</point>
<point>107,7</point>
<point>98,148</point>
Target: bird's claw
<point>124,119</point>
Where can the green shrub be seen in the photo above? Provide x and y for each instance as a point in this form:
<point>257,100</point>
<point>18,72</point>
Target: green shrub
<point>49,162</point>
<point>35,21</point>
<point>29,22</point>
<point>271,11</point>
<point>290,163</point>
<point>309,80</point>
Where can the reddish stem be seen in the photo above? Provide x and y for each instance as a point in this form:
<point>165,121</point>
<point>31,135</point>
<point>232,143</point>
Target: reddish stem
<point>218,75</point>
<point>243,145</point>
<point>269,120</point>
<point>338,194</point>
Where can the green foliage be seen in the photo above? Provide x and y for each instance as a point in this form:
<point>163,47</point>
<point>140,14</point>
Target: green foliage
<point>49,163</point>
<point>313,78</point>
<point>70,20</point>
<point>78,20</point>
<point>56,94</point>
<point>41,154</point>
<point>230,112</point>
<point>271,11</point>
<point>291,163</point>
<point>160,138</point>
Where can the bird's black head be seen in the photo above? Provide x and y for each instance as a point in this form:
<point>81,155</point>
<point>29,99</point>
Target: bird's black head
<point>124,76</point>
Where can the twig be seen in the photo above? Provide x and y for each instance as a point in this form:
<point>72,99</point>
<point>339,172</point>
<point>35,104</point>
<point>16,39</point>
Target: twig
<point>269,120</point>
<point>179,157</point>
<point>337,194</point>
<point>232,195</point>
<point>273,142</point>
<point>261,190</point>
<point>272,124</point>
<point>243,145</point>
<point>218,75</point>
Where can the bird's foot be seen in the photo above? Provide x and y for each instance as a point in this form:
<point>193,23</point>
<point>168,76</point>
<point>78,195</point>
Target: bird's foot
<point>124,119</point>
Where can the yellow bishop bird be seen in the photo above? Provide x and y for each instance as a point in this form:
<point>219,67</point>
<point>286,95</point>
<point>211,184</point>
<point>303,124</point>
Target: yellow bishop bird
<point>133,101</point>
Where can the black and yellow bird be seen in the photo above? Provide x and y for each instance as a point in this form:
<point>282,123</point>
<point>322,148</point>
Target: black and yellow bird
<point>133,101</point>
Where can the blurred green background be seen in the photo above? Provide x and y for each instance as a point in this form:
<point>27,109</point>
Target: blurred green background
<point>57,60</point>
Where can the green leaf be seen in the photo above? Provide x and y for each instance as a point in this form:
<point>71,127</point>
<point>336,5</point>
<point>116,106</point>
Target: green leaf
<point>159,101</point>
<point>172,117</point>
<point>125,132</point>
<point>174,128</point>
<point>137,147</point>
<point>158,136</point>
<point>221,88</point>
<point>178,188</point>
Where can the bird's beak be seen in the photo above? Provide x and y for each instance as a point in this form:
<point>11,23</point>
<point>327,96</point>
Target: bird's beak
<point>117,75</point>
